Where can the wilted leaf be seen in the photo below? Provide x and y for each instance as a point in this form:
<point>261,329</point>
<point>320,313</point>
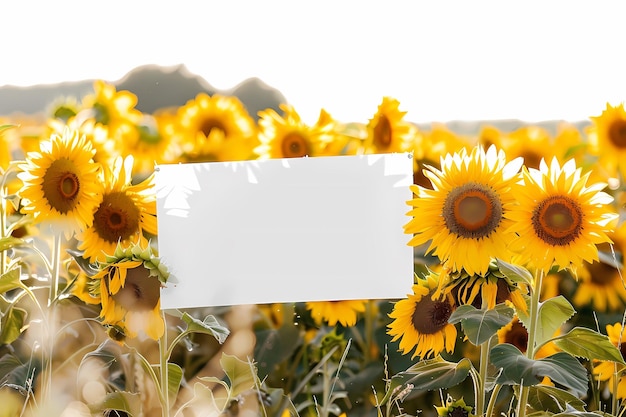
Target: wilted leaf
<point>430,374</point>
<point>589,344</point>
<point>480,325</point>
<point>209,325</point>
<point>517,369</point>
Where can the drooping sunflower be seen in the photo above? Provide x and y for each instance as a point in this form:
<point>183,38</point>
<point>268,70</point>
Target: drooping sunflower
<point>123,214</point>
<point>129,287</point>
<point>559,220</point>
<point>464,215</point>
<point>387,131</point>
<point>608,135</point>
<point>215,128</point>
<point>61,183</point>
<point>515,333</point>
<point>420,321</point>
<point>483,290</point>
<point>605,370</point>
<point>344,312</point>
<point>287,136</point>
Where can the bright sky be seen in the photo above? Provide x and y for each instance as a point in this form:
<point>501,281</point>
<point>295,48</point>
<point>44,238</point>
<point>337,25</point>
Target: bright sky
<point>443,60</point>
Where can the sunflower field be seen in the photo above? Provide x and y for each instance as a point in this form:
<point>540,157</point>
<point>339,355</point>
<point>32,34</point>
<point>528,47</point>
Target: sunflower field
<point>518,298</point>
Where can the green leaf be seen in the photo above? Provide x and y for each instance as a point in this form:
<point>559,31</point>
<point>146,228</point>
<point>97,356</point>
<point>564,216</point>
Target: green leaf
<point>10,280</point>
<point>430,374</point>
<point>515,273</point>
<point>241,374</point>
<point>174,377</point>
<point>517,369</point>
<point>12,325</point>
<point>480,325</point>
<point>276,345</point>
<point>5,127</point>
<point>9,242</point>
<point>552,399</point>
<point>18,375</point>
<point>127,402</point>
<point>589,344</point>
<point>551,316</point>
<point>209,325</point>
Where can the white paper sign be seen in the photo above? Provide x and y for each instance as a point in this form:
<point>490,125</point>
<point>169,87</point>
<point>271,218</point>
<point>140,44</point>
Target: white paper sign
<point>285,230</point>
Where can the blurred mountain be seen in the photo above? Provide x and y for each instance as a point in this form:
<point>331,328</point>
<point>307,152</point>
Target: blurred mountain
<point>155,86</point>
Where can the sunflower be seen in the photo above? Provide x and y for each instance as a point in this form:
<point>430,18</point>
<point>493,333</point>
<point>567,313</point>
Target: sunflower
<point>429,147</point>
<point>514,333</point>
<point>420,321</point>
<point>454,408</point>
<point>129,287</point>
<point>608,134</point>
<point>110,107</point>
<point>215,128</point>
<point>533,143</point>
<point>559,219</point>
<point>288,136</point>
<point>61,183</point>
<point>333,312</point>
<point>387,131</point>
<point>601,283</point>
<point>124,212</point>
<point>483,290</point>
<point>605,370</point>
<point>464,215</point>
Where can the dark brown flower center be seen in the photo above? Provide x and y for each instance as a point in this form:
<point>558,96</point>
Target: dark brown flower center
<point>382,133</point>
<point>209,124</point>
<point>602,273</point>
<point>617,133</point>
<point>517,336</point>
<point>294,145</point>
<point>472,210</point>
<point>117,217</point>
<point>140,292</point>
<point>558,220</point>
<point>458,412</point>
<point>531,159</point>
<point>61,185</point>
<point>431,316</point>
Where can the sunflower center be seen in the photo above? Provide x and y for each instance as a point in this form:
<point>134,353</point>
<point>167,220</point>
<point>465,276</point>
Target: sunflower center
<point>532,159</point>
<point>61,185</point>
<point>557,220</point>
<point>517,336</point>
<point>209,124</point>
<point>472,210</point>
<point>431,316</point>
<point>602,274</point>
<point>140,292</point>
<point>294,146</point>
<point>382,133</point>
<point>458,412</point>
<point>117,217</point>
<point>617,133</point>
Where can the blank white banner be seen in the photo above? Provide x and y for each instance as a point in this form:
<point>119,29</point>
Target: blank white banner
<point>285,230</point>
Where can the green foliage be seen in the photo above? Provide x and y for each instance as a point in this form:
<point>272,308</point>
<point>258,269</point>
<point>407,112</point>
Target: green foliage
<point>553,313</point>
<point>430,374</point>
<point>210,325</point>
<point>589,344</point>
<point>480,325</point>
<point>517,369</point>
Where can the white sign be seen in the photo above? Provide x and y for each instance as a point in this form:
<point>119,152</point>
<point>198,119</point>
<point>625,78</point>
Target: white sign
<point>285,230</point>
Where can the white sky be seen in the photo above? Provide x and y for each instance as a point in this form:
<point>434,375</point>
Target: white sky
<point>443,60</point>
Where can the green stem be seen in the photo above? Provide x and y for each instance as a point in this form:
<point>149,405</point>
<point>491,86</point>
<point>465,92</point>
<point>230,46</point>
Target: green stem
<point>164,356</point>
<point>532,330</point>
<point>56,267</point>
<point>492,400</point>
<point>482,380</point>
